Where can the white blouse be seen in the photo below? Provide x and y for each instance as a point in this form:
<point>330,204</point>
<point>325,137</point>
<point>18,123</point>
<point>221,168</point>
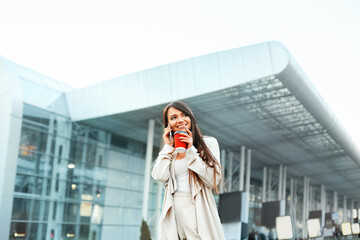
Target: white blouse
<point>182,175</point>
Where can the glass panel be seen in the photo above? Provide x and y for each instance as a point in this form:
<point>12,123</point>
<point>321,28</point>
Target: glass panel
<point>37,115</point>
<point>58,103</point>
<point>70,212</point>
<point>72,190</point>
<point>32,141</point>
<point>74,172</point>
<point>76,150</point>
<point>42,161</point>
<point>68,231</point>
<point>35,94</point>
<point>27,230</point>
<point>34,164</point>
<point>91,154</point>
<point>84,232</point>
<point>32,184</point>
<point>30,209</point>
<point>88,189</point>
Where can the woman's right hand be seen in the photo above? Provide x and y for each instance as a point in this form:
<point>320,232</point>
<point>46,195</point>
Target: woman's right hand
<point>166,136</point>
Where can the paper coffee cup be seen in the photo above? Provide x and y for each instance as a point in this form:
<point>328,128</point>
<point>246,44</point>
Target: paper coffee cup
<point>180,147</point>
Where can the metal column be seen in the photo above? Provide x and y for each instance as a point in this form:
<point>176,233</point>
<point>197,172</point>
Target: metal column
<point>336,202</point>
<point>351,211</point>
<point>284,184</point>
<point>295,203</point>
<point>305,205</point>
<point>248,171</point>
<point>311,198</point>
<point>323,204</point>
<point>344,210</point>
<point>231,155</point>
<point>269,185</point>
<point>291,205</point>
<point>280,181</point>
<point>149,152</point>
<point>222,163</point>
<point>263,196</point>
<point>242,168</point>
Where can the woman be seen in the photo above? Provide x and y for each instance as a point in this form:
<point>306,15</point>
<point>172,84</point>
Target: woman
<point>189,209</point>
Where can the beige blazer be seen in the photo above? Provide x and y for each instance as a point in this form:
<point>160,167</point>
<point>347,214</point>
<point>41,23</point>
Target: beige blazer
<point>209,225</point>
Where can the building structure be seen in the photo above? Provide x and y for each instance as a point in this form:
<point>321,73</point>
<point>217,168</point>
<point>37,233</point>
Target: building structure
<point>75,163</point>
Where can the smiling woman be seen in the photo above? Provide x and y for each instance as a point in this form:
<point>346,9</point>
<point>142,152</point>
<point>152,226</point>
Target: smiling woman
<point>189,210</point>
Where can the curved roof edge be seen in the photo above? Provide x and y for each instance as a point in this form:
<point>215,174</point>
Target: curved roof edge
<point>166,83</point>
<point>300,86</point>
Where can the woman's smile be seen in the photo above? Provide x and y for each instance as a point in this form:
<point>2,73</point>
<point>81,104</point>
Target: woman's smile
<point>183,126</point>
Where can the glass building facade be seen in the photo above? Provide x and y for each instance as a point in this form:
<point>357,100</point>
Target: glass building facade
<point>60,178</point>
<point>74,181</point>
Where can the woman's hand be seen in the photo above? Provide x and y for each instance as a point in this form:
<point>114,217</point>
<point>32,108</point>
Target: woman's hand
<point>187,138</point>
<point>166,136</point>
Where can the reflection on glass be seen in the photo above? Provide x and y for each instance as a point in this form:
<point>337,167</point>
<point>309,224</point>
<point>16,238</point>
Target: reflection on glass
<point>70,212</point>
<point>30,209</point>
<point>68,230</point>
<point>61,176</point>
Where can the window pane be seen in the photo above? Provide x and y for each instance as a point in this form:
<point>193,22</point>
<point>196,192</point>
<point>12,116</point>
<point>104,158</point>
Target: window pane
<point>30,209</point>
<point>28,230</point>
<point>70,211</point>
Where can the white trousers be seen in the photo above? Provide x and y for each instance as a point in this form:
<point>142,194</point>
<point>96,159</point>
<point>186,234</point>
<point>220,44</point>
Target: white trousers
<point>185,216</point>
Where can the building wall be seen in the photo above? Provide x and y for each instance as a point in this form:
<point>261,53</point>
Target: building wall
<point>99,197</point>
<point>10,126</point>
<point>124,191</point>
<point>52,198</point>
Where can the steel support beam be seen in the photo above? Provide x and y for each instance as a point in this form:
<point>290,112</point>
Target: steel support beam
<point>311,198</point>
<point>291,204</point>
<point>323,204</point>
<point>305,205</point>
<point>269,186</point>
<point>280,182</point>
<point>242,168</point>
<point>351,211</point>
<point>222,163</point>
<point>148,160</point>
<point>284,184</point>
<point>263,196</point>
<point>345,210</point>
<point>248,171</point>
<point>230,177</point>
<point>336,202</point>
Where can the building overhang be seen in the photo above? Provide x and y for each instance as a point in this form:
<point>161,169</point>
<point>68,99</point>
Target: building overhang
<point>255,96</point>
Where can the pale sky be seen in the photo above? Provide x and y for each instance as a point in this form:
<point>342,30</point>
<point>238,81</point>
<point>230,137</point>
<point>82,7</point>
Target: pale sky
<point>84,42</point>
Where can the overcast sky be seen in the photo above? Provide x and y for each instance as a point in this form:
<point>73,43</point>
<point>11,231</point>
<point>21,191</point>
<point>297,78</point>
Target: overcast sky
<point>84,42</point>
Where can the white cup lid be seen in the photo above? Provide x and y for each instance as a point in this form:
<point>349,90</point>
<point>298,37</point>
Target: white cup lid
<point>180,149</point>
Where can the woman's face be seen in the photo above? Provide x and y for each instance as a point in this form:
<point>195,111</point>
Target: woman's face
<point>178,120</point>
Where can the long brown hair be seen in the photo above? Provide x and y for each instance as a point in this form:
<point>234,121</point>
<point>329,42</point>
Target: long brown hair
<point>198,142</point>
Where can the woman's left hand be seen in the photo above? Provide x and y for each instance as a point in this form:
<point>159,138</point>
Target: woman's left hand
<point>187,138</point>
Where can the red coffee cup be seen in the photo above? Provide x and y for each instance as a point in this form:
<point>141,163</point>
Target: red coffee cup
<point>180,147</point>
